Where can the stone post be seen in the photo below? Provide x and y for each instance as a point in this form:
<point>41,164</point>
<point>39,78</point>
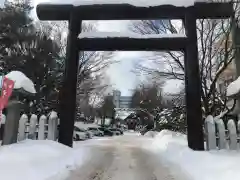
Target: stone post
<point>12,122</point>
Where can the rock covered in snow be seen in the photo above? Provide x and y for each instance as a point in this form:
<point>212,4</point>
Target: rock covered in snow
<point>21,81</point>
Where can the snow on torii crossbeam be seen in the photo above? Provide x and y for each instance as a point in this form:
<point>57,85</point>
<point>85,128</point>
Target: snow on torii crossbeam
<point>134,10</point>
<point>131,11</point>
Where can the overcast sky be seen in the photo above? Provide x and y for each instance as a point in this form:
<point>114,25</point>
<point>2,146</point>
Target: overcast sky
<point>120,74</point>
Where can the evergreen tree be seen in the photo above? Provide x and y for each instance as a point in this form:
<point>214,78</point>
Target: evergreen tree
<point>107,108</point>
<point>31,51</point>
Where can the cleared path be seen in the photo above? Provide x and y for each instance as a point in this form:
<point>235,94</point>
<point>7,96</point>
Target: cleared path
<point>123,158</point>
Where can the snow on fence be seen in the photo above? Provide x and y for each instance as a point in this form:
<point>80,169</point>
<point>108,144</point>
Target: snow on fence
<point>34,128</point>
<point>218,136</point>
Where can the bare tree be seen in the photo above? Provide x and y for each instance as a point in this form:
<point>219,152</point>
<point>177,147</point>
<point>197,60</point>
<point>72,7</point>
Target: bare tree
<point>92,65</point>
<point>147,96</point>
<point>215,56</point>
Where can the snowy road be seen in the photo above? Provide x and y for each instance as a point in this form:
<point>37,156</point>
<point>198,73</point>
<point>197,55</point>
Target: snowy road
<point>122,158</point>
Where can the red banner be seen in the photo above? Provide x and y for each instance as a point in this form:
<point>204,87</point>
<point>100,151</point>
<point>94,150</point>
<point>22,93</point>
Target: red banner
<point>7,88</point>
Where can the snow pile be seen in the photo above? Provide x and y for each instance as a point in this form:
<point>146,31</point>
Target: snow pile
<point>127,35</point>
<point>38,160</point>
<point>166,138</point>
<point>137,3</point>
<point>150,134</point>
<point>220,165</point>
<point>21,81</point>
<point>132,133</point>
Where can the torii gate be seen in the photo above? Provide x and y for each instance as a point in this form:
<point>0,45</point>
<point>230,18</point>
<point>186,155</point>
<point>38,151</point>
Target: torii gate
<point>188,44</point>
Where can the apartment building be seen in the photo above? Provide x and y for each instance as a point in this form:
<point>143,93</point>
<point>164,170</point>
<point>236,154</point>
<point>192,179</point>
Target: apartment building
<point>121,101</point>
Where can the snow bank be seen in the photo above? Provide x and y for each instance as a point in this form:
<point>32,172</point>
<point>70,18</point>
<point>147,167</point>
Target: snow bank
<point>150,134</point>
<point>126,35</point>
<point>21,81</point>
<point>137,3</point>
<point>214,165</point>
<point>38,160</point>
<point>132,133</point>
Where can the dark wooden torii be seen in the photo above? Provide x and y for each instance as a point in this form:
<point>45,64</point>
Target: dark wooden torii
<point>76,14</point>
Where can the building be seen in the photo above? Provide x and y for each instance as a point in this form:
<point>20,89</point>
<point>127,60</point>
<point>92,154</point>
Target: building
<point>229,74</point>
<point>125,101</point>
<point>226,77</point>
<point>121,101</point>
<point>116,98</point>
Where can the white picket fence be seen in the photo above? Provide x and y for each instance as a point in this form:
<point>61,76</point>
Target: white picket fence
<point>34,128</point>
<point>220,137</point>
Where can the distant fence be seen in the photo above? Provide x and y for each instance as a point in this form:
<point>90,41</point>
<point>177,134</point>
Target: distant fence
<point>220,136</point>
<point>37,128</point>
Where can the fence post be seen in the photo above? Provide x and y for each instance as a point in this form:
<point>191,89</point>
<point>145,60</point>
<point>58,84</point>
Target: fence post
<point>22,127</point>
<point>221,133</point>
<point>41,127</point>
<point>12,122</point>
<point>32,127</point>
<point>52,126</point>
<point>211,133</point>
<point>232,134</point>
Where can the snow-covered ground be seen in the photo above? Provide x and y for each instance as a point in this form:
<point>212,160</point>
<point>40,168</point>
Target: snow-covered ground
<point>123,157</point>
<point>214,165</point>
<point>45,160</point>
<point>39,160</point>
